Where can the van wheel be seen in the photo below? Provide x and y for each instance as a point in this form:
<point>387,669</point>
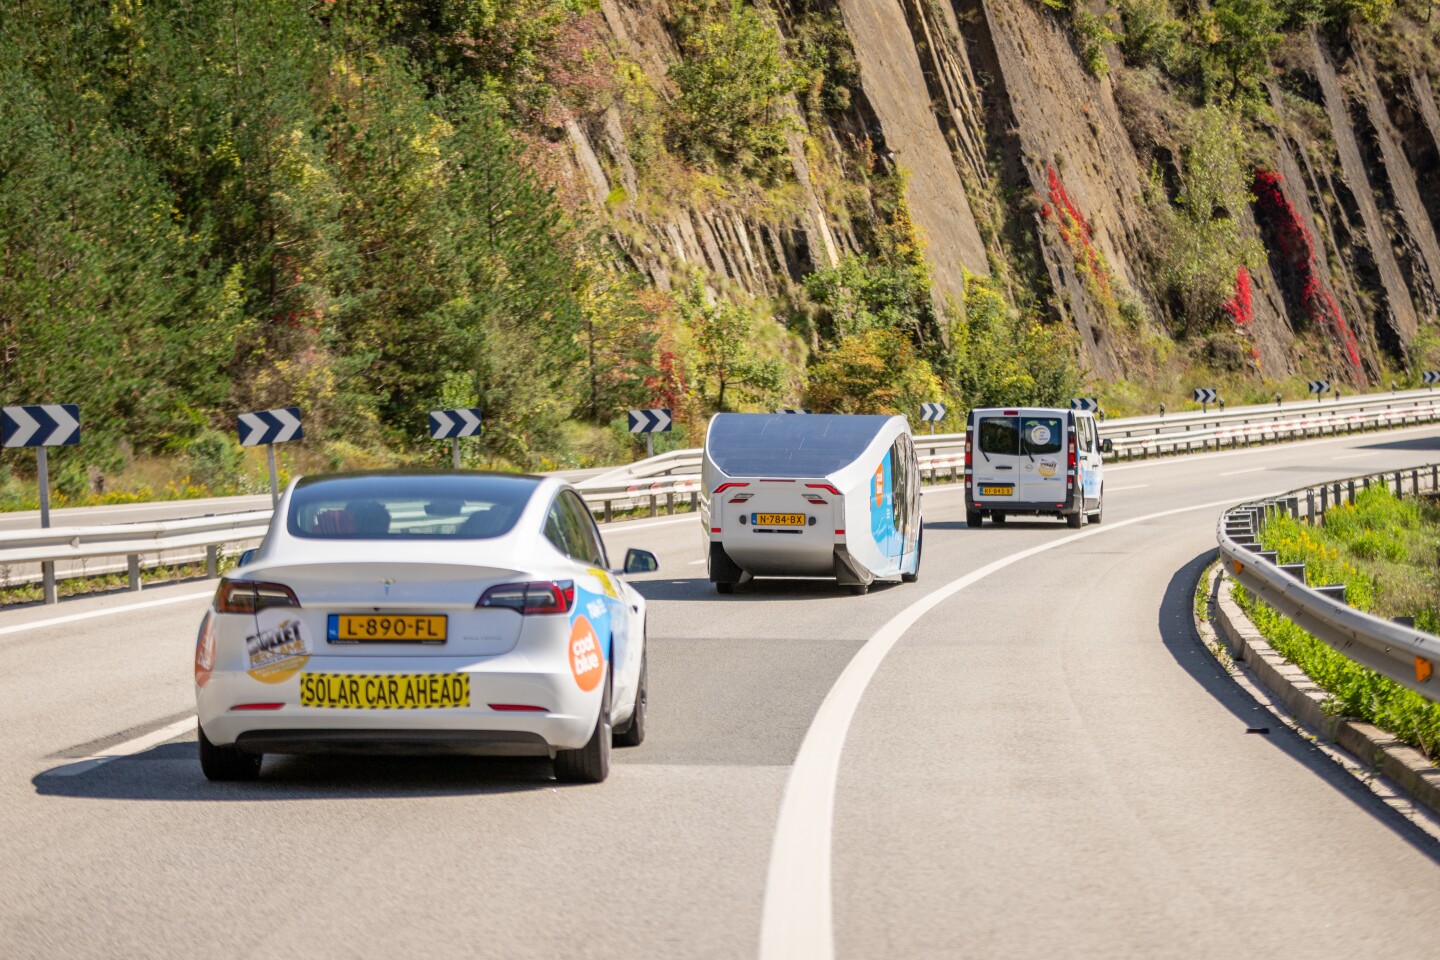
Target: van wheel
<point>1099,513</point>
<point>1074,520</point>
<point>227,763</point>
<point>591,763</point>
<point>973,518</point>
<point>859,589</point>
<point>997,518</point>
<point>919,554</point>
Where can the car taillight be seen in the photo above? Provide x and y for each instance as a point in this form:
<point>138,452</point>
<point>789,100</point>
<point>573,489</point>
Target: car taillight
<point>827,487</point>
<point>251,596</point>
<point>726,486</point>
<point>541,596</point>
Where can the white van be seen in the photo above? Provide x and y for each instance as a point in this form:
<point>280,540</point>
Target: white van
<point>1033,460</point>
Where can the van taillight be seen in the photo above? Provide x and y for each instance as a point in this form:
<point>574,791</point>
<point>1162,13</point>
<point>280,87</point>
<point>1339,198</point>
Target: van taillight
<point>250,596</point>
<point>969,456</point>
<point>1072,451</point>
<point>543,596</point>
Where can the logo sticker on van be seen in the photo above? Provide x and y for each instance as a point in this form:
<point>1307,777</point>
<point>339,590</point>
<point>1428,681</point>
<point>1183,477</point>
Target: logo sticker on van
<point>1047,468</point>
<point>1040,435</point>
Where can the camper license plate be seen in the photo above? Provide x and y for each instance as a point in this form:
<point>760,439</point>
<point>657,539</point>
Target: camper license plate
<point>778,519</point>
<point>371,628</point>
<point>997,491</point>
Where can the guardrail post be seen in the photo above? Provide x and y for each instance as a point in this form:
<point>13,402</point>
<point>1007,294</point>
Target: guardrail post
<point>1324,501</point>
<point>1399,485</point>
<point>1415,483</point>
<point>1335,591</point>
<point>1310,503</point>
<point>212,560</point>
<point>1350,492</point>
<point>652,505</point>
<point>1296,570</point>
<point>133,560</point>
<point>670,504</point>
<point>608,514</point>
<point>47,574</point>
<point>694,500</point>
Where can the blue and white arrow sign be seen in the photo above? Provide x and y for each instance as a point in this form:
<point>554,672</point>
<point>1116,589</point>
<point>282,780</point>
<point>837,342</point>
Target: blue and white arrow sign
<point>1432,377</point>
<point>930,412</point>
<point>40,425</point>
<point>270,426</point>
<point>1085,404</point>
<point>445,424</point>
<point>649,421</point>
<point>1318,387</point>
<point>1206,394</point>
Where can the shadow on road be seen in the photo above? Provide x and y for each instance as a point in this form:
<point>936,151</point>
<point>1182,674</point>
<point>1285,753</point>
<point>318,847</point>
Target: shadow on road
<point>1415,443</point>
<point>1177,628</point>
<point>762,589</point>
<point>171,772</point>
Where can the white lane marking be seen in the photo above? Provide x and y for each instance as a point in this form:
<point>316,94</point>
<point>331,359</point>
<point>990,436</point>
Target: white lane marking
<point>797,922</point>
<point>1236,473</point>
<point>624,526</point>
<point>1133,486</point>
<point>694,562</point>
<point>91,615</point>
<point>1354,456</point>
<point>127,749</point>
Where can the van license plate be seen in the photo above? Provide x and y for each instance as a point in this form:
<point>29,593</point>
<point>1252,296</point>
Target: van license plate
<point>778,519</point>
<point>1001,491</point>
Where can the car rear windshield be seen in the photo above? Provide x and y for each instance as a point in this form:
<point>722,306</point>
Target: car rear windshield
<point>1000,435</point>
<point>1040,434</point>
<point>408,507</point>
<point>788,445</point>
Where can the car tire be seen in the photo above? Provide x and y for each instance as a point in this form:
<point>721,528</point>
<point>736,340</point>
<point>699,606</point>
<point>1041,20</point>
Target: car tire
<point>725,588</point>
<point>227,763</point>
<point>591,763</point>
<point>919,555</point>
<point>973,518</point>
<point>633,733</point>
<point>1075,520</point>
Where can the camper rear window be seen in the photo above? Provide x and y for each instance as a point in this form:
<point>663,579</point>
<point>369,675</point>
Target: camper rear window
<point>1000,435</point>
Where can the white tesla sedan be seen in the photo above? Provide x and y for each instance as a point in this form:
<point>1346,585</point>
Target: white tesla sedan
<point>425,613</point>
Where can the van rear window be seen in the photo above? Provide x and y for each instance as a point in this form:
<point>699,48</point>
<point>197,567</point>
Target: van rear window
<point>1000,435</point>
<point>1040,434</point>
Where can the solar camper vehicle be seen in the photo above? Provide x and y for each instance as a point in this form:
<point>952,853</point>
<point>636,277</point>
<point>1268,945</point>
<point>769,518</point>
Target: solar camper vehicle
<point>810,495</point>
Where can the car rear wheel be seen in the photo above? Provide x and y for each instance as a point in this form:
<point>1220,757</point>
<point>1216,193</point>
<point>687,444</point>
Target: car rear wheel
<point>973,518</point>
<point>591,763</point>
<point>633,733</point>
<point>227,763</point>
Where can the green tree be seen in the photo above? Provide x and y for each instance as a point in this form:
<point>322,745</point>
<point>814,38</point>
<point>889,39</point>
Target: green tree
<point>728,362</point>
<point>1243,34</point>
<point>877,370</point>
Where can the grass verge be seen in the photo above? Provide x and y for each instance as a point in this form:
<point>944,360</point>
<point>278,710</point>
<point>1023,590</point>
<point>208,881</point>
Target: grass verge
<point>1385,550</point>
<point>105,583</point>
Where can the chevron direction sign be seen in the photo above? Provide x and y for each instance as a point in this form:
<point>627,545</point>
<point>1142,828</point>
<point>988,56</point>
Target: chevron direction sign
<point>1085,404</point>
<point>445,424</point>
<point>270,426</point>
<point>1432,377</point>
<point>40,425</point>
<point>930,412</point>
<point>1206,394</point>
<point>791,410</point>
<point>1318,387</point>
<point>649,421</point>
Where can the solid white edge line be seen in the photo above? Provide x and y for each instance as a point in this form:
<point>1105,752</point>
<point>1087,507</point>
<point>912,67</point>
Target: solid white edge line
<point>1236,473</point>
<point>797,921</point>
<point>92,614</point>
<point>127,749</point>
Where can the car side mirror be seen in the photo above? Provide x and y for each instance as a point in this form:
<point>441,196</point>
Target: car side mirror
<point>640,561</point>
<point>1106,446</point>
<point>246,557</point>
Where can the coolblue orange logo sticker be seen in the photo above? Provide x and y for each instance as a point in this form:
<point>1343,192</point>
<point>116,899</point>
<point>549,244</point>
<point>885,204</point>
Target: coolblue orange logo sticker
<point>585,662</point>
<point>278,652</point>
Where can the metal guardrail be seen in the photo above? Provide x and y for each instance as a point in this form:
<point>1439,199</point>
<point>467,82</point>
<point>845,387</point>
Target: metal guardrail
<point>1396,650</point>
<point>671,478</point>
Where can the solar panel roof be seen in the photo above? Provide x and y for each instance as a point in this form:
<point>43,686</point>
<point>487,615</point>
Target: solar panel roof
<point>789,445</point>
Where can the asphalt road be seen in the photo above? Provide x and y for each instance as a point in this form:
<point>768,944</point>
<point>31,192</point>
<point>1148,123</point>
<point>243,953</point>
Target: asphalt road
<point>1045,763</point>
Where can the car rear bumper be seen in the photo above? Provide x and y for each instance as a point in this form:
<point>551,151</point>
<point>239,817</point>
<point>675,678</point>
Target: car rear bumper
<point>565,723</point>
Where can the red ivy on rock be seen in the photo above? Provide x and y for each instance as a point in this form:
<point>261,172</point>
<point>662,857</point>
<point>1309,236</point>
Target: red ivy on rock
<point>1297,246</point>
<point>1075,231</point>
<point>1240,307</point>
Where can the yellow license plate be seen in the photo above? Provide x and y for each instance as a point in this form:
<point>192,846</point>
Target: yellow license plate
<point>385,691</point>
<point>996,491</point>
<point>780,519</point>
<point>378,628</point>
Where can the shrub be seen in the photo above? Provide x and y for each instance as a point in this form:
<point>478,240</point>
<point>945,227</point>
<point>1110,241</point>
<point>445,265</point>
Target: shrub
<point>215,460</point>
<point>875,371</point>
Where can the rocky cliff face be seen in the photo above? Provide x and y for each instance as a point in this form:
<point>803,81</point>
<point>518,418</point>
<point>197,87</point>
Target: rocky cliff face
<point>1021,161</point>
